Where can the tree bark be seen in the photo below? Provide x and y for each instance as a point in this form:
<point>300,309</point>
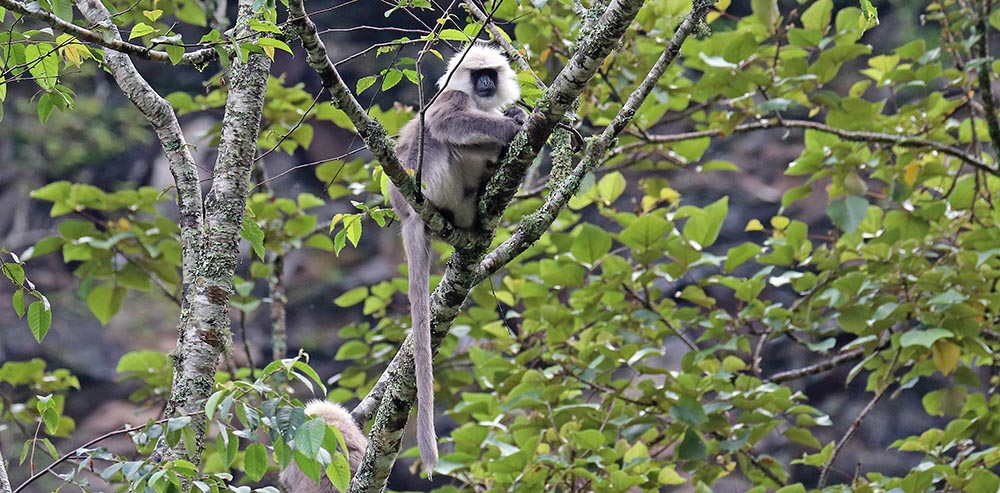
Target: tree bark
<point>4,481</point>
<point>204,330</point>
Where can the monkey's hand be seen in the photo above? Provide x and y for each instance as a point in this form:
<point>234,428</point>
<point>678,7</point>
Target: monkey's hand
<point>517,114</point>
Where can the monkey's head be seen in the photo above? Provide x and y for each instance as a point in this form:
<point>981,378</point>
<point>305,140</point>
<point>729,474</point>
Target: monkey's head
<point>485,75</point>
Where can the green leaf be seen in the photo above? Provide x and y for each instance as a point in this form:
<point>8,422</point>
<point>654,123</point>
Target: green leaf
<point>983,481</point>
<point>766,11</point>
<point>274,43</point>
<point>17,301</point>
<point>610,187</point>
<point>53,192</point>
<point>703,227</point>
<point>253,233</point>
<point>307,200</point>
<point>45,107</point>
<point>392,77</point>
<point>689,411</point>
<point>43,64</point>
<point>923,338</point>
<point>817,16</point>
<point>255,461</point>
<point>39,319</point>
<point>692,447</point>
<point>365,83</point>
<point>339,472</point>
<point>453,35</point>
<point>740,254</point>
<point>175,53</point>
<point>352,350</point>
<point>309,437</point>
<point>352,297</point>
<point>14,272</point>
<point>300,225</point>
<point>590,244</point>
<point>645,232</point>
<point>63,9</point>
<point>847,212</point>
<point>141,29</point>
<point>589,439</point>
<point>105,300</point>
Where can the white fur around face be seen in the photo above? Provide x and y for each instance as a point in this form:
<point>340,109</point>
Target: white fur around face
<point>479,57</point>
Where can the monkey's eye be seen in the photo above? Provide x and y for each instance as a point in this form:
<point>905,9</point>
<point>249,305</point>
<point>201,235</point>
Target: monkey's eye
<point>484,82</point>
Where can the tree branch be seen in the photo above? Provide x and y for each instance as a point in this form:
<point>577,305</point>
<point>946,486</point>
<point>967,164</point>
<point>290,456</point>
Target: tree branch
<point>591,52</point>
<point>197,58</point>
<point>460,275</point>
<point>824,474</point>
<point>837,360</point>
<point>162,118</point>
<point>204,331</point>
<point>532,226</point>
<point>854,136</point>
<point>4,481</point>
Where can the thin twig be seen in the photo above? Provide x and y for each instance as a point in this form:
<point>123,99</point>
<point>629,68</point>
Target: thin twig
<point>824,474</point>
<point>71,455</point>
<point>854,136</point>
<point>194,58</point>
<point>838,360</point>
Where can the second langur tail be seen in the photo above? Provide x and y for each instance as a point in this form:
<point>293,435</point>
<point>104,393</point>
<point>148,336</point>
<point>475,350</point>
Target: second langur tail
<point>418,260</point>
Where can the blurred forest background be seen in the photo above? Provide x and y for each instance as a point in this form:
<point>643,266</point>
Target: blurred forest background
<point>105,142</point>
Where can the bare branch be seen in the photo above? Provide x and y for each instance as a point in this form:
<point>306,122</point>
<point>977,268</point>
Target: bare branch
<point>854,136</point>
<point>199,57</point>
<point>824,474</point>
<point>823,366</point>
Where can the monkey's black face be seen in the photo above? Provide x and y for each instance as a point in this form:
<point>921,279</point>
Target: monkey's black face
<point>484,81</point>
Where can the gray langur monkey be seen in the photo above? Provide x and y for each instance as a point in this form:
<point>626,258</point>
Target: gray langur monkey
<point>295,481</point>
<point>464,132</point>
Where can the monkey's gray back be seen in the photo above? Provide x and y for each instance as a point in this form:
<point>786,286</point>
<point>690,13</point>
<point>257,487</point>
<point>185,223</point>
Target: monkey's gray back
<point>461,145</point>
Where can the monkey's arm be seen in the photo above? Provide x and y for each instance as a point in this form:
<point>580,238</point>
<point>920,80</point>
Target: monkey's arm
<point>454,119</point>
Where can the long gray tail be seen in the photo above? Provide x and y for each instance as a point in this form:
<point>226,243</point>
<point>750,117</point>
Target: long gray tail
<point>418,259</point>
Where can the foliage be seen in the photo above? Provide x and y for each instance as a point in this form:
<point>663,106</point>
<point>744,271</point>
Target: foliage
<point>578,386</point>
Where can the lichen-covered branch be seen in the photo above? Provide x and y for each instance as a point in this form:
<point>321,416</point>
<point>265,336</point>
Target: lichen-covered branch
<point>204,332</point>
<point>591,51</point>
<point>162,118</point>
<point>399,384</point>
<point>198,57</point>
<point>461,275</point>
<point>532,226</point>
<point>4,481</point>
